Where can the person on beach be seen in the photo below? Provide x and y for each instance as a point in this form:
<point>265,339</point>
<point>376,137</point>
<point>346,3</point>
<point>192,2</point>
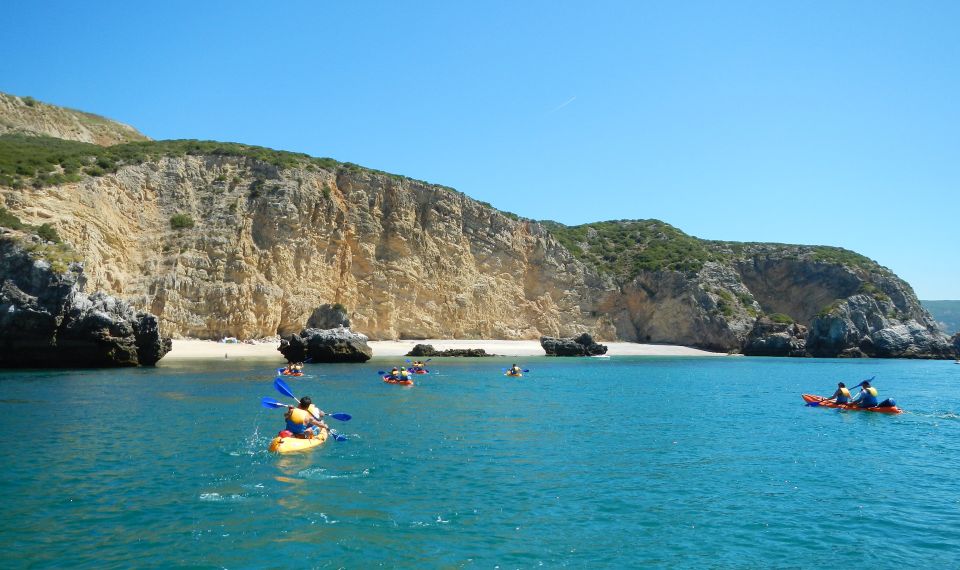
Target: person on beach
<point>305,421</point>
<point>867,398</point>
<point>842,395</point>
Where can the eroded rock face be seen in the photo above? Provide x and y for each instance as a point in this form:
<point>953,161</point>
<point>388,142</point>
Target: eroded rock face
<point>582,345</point>
<point>407,259</point>
<point>46,321</point>
<point>328,316</point>
<point>876,326</point>
<point>326,345</point>
<point>412,260</point>
<point>769,338</point>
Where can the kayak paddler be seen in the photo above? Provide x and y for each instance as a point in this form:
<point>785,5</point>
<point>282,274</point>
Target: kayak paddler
<point>304,421</point>
<point>842,395</point>
<point>394,374</point>
<point>867,398</point>
<point>515,370</point>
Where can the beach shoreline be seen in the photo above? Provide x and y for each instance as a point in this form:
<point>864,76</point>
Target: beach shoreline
<point>210,349</point>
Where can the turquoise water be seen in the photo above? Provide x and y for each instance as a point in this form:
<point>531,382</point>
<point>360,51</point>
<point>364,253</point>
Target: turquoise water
<point>614,463</point>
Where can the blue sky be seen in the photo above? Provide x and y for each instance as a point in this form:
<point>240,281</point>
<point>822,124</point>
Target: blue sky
<point>831,123</point>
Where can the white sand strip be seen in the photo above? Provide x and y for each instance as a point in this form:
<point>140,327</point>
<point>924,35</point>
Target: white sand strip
<point>191,348</point>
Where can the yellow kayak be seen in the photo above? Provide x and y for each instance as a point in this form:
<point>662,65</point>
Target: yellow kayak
<point>293,444</point>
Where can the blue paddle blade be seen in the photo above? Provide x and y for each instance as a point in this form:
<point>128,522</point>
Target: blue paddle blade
<point>341,416</point>
<point>271,403</point>
<point>282,387</point>
<point>337,435</point>
<point>381,372</point>
<point>526,370</point>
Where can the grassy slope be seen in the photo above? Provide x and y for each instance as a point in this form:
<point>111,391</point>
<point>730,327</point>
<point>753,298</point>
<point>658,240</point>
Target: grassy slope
<point>625,248</point>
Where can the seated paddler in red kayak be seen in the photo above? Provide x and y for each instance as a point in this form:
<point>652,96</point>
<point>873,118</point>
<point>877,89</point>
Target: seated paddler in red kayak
<point>842,395</point>
<point>867,398</point>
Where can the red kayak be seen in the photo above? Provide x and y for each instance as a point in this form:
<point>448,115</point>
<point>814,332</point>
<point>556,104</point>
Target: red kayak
<point>827,403</point>
<point>389,380</point>
<point>424,371</point>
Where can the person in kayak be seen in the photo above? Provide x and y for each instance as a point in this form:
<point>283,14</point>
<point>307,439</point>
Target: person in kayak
<point>394,374</point>
<point>304,421</point>
<point>404,373</point>
<point>515,370</point>
<point>842,395</point>
<point>867,398</point>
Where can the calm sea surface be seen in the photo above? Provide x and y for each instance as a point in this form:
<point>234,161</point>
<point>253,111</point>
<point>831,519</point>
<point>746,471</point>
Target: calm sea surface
<point>587,463</point>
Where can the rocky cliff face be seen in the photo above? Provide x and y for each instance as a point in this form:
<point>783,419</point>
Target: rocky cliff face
<point>229,240</point>
<point>29,116</point>
<point>46,320</point>
<point>409,260</point>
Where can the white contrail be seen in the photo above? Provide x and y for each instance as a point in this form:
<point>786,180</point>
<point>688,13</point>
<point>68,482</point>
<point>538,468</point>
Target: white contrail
<point>564,104</point>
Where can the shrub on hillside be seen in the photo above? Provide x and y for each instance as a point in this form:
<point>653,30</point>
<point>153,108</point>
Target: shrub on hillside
<point>181,221</point>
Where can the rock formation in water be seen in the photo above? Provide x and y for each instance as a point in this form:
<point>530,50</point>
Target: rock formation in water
<point>422,350</point>
<point>47,321</point>
<point>325,345</point>
<point>221,239</point>
<point>582,345</point>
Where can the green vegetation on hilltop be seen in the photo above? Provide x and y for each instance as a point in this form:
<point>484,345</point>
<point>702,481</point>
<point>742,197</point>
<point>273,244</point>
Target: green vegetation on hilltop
<point>44,161</point>
<point>41,161</point>
<point>627,247</point>
<point>624,248</point>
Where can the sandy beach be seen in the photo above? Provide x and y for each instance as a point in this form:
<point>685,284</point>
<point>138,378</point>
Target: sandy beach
<point>208,349</point>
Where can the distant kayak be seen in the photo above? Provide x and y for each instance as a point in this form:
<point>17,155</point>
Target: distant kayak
<point>292,444</point>
<point>424,371</point>
<point>285,373</point>
<point>827,403</point>
<point>389,380</point>
<point>514,375</point>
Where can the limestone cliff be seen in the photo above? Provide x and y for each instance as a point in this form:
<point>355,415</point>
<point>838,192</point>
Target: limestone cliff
<point>29,116</point>
<point>268,245</point>
<point>221,239</point>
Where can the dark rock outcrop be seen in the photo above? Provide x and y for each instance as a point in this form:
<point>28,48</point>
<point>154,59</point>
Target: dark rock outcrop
<point>955,343</point>
<point>46,320</point>
<point>582,345</point>
<point>329,316</point>
<point>873,325</point>
<point>769,338</point>
<point>421,350</point>
<point>326,345</point>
